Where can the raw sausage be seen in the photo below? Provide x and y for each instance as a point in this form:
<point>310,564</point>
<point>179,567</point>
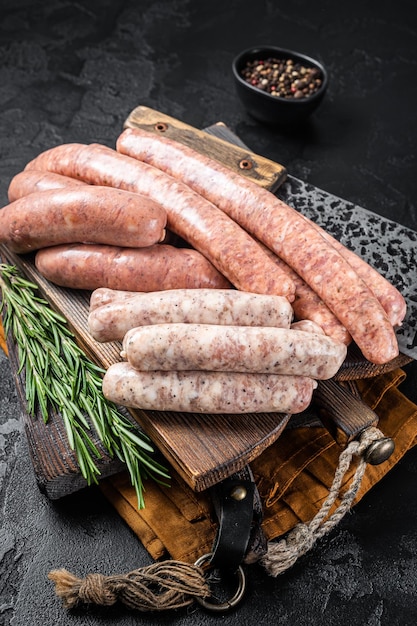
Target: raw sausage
<point>81,213</point>
<point>391,299</point>
<point>233,349</point>
<point>308,305</point>
<point>189,166</point>
<point>197,306</point>
<point>283,230</point>
<point>153,268</point>
<point>207,392</point>
<point>228,247</point>
<point>103,296</point>
<point>28,181</point>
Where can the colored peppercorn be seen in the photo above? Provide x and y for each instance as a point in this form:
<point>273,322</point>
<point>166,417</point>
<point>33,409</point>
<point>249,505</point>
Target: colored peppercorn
<point>283,78</point>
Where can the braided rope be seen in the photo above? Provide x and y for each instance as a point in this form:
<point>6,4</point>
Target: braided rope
<point>157,587</point>
<point>174,584</point>
<point>281,555</point>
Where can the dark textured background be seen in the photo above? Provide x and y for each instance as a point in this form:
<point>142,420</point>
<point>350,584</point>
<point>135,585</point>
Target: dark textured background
<point>72,71</point>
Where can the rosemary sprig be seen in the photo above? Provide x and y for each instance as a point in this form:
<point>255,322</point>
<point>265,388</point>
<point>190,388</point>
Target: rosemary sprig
<point>59,375</point>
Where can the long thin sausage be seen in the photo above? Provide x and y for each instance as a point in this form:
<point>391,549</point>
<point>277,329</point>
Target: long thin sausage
<point>81,213</point>
<point>188,167</point>
<point>308,305</point>
<point>153,268</point>
<point>233,349</point>
<point>391,299</point>
<point>197,306</point>
<point>28,181</point>
<point>283,230</point>
<point>207,392</point>
<point>229,248</point>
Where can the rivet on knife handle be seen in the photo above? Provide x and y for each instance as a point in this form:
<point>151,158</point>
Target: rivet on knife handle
<point>346,417</point>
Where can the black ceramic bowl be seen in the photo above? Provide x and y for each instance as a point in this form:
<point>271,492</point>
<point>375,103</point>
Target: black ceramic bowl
<point>275,109</point>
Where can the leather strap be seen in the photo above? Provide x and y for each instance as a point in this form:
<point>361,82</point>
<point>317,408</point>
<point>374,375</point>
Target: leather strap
<point>239,511</point>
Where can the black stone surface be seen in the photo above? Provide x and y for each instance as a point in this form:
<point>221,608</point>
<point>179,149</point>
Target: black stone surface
<point>72,71</point>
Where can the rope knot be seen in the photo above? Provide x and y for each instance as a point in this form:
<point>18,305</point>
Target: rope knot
<point>95,589</point>
<point>160,586</point>
<point>301,538</point>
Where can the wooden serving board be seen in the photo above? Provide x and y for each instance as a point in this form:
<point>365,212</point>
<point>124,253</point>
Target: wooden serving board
<point>204,449</point>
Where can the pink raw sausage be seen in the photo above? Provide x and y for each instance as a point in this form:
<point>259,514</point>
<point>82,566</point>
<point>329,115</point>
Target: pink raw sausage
<point>391,299</point>
<point>308,305</point>
<point>228,246</point>
<point>81,213</point>
<point>153,268</point>
<point>28,181</point>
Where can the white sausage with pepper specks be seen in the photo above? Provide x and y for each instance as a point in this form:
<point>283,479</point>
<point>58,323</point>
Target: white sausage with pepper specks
<point>198,306</point>
<point>207,392</point>
<point>103,296</point>
<point>233,349</point>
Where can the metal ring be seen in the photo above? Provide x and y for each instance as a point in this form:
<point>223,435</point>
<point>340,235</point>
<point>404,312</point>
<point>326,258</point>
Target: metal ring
<point>234,600</point>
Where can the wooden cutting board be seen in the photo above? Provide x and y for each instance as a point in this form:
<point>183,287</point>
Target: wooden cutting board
<point>204,449</point>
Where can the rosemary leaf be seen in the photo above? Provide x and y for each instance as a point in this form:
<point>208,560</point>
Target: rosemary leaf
<point>60,377</point>
<point>69,431</point>
<point>129,435</point>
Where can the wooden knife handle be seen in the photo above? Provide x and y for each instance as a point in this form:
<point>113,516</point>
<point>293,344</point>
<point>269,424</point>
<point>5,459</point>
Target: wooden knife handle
<point>346,417</point>
<point>343,414</point>
<point>236,155</point>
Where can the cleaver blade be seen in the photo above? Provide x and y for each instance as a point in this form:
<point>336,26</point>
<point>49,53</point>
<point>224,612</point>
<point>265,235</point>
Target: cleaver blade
<point>386,245</point>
